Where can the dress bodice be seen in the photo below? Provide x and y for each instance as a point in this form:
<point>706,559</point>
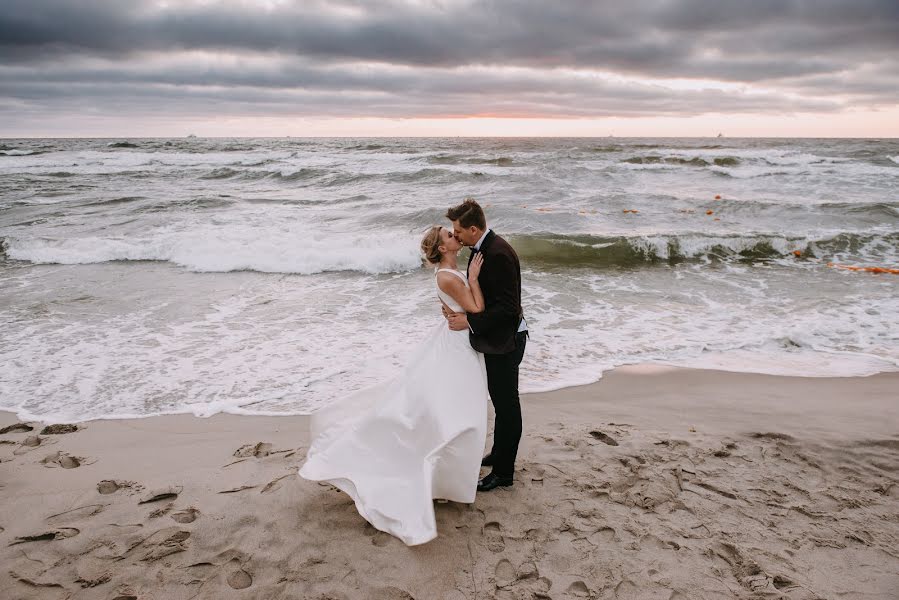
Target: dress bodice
<point>447,299</point>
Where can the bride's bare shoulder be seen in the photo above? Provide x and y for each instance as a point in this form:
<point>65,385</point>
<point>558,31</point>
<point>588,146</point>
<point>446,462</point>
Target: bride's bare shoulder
<point>449,281</point>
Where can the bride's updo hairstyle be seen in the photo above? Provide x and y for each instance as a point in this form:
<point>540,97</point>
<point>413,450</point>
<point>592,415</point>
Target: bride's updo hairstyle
<point>430,245</point>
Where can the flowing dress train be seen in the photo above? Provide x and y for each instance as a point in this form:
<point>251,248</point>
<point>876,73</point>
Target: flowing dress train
<point>396,446</point>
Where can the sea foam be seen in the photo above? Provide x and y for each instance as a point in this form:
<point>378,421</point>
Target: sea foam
<point>209,249</point>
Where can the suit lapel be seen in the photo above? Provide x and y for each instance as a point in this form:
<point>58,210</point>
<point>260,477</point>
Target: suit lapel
<point>487,240</point>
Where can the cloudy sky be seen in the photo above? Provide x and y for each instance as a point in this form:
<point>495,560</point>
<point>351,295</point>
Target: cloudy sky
<point>449,67</point>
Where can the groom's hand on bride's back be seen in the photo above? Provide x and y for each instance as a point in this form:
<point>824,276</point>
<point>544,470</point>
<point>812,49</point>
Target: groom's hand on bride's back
<point>457,321</point>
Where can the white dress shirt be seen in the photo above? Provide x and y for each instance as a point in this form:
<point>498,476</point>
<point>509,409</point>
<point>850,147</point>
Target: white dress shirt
<point>477,247</point>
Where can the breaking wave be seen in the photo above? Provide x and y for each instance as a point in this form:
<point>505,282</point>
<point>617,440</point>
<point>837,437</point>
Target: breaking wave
<point>207,249</point>
<point>583,251</point>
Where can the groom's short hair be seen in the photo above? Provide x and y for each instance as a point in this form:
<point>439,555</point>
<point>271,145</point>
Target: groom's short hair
<point>468,213</point>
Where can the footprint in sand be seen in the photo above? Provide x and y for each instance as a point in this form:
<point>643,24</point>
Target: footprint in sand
<point>188,515</point>
<point>579,589</point>
<point>626,590</point>
<point>768,435</point>
<point>744,568</point>
<point>57,534</point>
<point>111,486</point>
<point>108,486</point>
<point>34,583</point>
<point>61,459</point>
<point>59,429</point>
<point>170,545</point>
<point>602,537</point>
<point>604,438</point>
<point>28,444</point>
<point>651,541</point>
<point>862,537</point>
<point>163,510</point>
<point>391,593</point>
<point>157,495</point>
<point>504,574</point>
<point>528,570</point>
<point>238,578</point>
<point>95,580</point>
<point>537,475</point>
<point>75,514</point>
<point>161,543</point>
<point>380,539</point>
<point>274,485</point>
<point>241,488</point>
<point>761,584</point>
<point>232,562</point>
<point>493,537</point>
<point>17,428</point>
<point>259,450</point>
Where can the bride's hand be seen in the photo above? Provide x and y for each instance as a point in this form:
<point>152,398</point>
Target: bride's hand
<point>474,269</point>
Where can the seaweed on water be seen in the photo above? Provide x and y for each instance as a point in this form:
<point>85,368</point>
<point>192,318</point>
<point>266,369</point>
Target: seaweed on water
<point>654,159</point>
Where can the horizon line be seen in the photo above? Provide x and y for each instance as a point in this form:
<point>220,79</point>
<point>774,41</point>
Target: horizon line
<point>558,137</point>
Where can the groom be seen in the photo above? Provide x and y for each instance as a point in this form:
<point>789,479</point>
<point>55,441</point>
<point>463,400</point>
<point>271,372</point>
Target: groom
<point>500,333</point>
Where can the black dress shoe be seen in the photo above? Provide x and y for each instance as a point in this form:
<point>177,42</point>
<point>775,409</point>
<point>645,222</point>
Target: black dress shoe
<point>487,461</point>
<point>492,481</point>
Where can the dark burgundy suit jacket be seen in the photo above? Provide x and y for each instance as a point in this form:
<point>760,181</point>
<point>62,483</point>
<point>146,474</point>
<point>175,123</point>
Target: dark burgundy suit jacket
<point>493,331</point>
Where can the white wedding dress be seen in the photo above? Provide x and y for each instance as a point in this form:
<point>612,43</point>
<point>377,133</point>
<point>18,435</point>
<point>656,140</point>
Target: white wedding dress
<point>396,446</point>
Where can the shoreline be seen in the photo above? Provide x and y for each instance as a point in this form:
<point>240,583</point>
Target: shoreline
<point>644,368</point>
<point>655,482</point>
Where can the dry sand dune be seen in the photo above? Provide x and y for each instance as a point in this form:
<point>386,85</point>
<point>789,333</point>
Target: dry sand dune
<point>649,485</point>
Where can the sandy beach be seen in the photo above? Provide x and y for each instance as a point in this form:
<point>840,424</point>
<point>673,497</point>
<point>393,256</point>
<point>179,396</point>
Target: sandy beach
<point>654,483</point>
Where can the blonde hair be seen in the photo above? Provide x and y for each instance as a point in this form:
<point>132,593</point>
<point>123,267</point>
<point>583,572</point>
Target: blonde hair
<point>430,245</point>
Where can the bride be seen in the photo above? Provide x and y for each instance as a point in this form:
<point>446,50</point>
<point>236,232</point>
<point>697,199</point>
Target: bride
<point>398,445</point>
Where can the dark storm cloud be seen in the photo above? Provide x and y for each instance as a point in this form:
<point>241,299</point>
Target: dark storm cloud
<point>279,75</point>
<point>453,57</point>
<point>645,37</point>
<point>338,93</point>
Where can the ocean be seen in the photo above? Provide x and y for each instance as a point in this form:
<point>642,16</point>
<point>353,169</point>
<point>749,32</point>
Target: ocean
<point>270,276</point>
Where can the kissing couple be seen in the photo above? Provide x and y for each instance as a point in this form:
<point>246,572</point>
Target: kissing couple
<point>397,446</point>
